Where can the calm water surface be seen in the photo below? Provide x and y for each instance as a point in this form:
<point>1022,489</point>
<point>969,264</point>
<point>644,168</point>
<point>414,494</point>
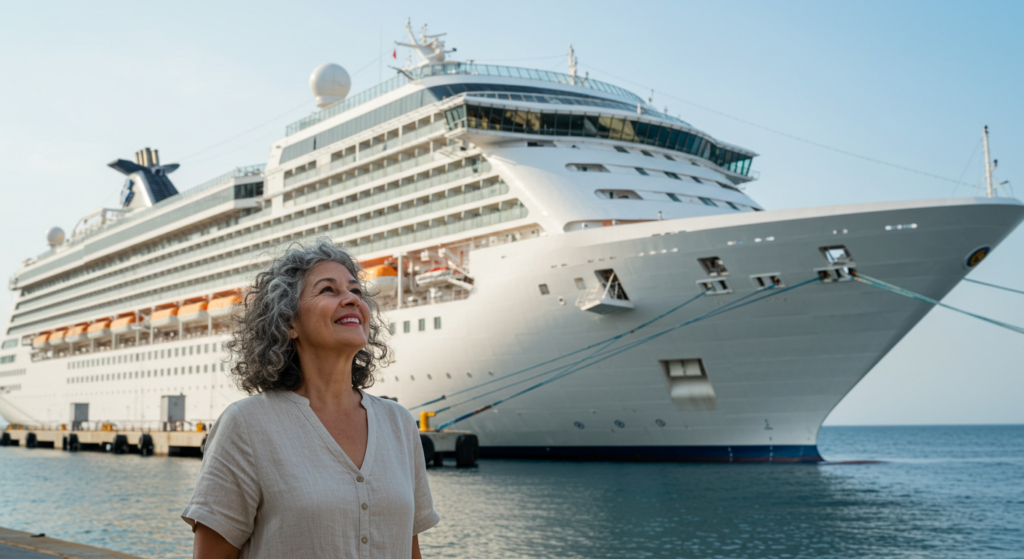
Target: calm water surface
<point>938,492</point>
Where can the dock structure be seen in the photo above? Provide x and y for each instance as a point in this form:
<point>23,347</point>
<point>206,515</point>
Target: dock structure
<point>25,545</point>
<point>159,443</point>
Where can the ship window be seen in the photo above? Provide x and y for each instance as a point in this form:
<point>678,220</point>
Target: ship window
<point>437,323</point>
<point>669,157</point>
<point>580,284</point>
<point>10,343</point>
<point>647,153</point>
<point>708,202</point>
<point>422,324</point>
<point>622,149</point>
<point>836,254</point>
<point>405,327</point>
<point>733,206</point>
<point>547,124</point>
<point>544,289</point>
<point>673,197</point>
<point>641,171</point>
<point>672,176</point>
<point>696,180</point>
<point>391,328</point>
<point>713,266</point>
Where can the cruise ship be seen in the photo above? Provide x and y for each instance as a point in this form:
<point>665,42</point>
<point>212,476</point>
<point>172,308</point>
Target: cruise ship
<point>506,217</point>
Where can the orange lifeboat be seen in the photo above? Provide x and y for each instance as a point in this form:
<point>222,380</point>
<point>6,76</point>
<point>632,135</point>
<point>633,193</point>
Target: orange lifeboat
<point>195,312</point>
<point>164,318</point>
<point>41,341</point>
<point>57,338</point>
<point>122,325</point>
<point>98,330</point>
<point>381,280</point>
<point>223,306</point>
<point>76,334</point>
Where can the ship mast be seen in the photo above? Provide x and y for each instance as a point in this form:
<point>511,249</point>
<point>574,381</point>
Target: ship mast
<point>988,164</point>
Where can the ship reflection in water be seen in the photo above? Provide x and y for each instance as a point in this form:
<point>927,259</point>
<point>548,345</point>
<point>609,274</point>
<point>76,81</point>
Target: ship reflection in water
<point>936,492</point>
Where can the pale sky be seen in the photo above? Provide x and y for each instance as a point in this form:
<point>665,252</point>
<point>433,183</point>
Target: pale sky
<point>909,83</point>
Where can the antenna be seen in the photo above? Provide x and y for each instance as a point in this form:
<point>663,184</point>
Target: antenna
<point>572,65</point>
<point>988,165</point>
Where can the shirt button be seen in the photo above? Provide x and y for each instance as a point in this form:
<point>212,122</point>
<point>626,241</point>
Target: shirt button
<point>359,478</point>
<point>365,506</point>
<point>365,540</point>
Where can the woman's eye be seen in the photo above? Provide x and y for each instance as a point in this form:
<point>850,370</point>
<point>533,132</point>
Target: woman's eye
<point>358,292</point>
<point>326,289</point>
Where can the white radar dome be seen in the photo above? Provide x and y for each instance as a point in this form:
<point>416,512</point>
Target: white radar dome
<point>54,236</point>
<point>330,84</point>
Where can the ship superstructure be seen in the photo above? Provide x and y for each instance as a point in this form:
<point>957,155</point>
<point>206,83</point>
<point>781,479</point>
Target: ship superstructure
<point>505,216</point>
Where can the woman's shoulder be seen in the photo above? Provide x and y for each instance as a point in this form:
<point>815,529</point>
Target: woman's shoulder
<point>391,408</point>
<point>253,408</point>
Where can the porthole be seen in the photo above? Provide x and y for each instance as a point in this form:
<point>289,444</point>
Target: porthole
<point>578,425</point>
<point>619,424</point>
<point>449,375</point>
<point>468,374</point>
<point>659,423</point>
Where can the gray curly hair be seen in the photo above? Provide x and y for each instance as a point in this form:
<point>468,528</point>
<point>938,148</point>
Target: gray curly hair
<point>264,353</point>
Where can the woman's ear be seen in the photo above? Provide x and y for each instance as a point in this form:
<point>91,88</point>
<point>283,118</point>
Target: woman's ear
<point>292,333</point>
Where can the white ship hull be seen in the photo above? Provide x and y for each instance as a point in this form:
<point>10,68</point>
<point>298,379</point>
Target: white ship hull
<point>777,367</point>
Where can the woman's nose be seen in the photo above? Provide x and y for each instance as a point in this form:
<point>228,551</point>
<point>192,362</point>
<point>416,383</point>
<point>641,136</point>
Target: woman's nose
<point>350,299</point>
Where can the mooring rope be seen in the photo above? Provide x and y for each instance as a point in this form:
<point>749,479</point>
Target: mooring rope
<point>742,302</point>
<point>875,282</point>
<point>560,357</point>
<point>995,286</point>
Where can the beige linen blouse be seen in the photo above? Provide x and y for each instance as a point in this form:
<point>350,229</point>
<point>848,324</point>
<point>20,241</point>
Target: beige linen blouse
<point>274,483</point>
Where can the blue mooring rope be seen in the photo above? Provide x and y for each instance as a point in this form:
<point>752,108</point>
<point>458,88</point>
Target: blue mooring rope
<point>874,282</point>
<point>608,355</point>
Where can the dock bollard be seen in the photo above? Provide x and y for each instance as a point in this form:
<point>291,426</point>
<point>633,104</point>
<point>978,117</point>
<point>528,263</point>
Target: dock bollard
<point>120,444</point>
<point>467,451</point>
<point>428,449</point>
<point>145,444</point>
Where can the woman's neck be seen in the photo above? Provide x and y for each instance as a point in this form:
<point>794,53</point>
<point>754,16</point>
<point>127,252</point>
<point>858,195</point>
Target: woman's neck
<point>326,379</point>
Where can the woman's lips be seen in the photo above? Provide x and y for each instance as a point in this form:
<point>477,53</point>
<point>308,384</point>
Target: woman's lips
<point>350,320</point>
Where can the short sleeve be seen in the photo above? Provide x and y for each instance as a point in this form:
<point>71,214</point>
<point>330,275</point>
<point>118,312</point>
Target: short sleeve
<point>227,493</point>
<point>426,517</point>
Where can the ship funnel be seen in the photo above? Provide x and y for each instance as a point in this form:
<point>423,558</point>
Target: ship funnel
<point>156,157</point>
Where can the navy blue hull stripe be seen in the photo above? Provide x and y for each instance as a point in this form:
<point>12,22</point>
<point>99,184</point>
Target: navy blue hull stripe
<point>744,453</point>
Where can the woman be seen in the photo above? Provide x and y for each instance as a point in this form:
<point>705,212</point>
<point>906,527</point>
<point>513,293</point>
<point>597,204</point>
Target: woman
<point>310,465</point>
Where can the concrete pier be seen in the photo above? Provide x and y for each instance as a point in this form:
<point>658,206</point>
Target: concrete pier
<point>164,442</point>
<point>24,545</point>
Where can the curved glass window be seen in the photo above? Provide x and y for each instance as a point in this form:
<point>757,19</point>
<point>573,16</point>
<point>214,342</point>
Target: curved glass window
<point>531,121</point>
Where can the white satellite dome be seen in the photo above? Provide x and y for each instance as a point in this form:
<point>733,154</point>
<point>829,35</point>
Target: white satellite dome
<point>330,84</point>
<point>54,236</point>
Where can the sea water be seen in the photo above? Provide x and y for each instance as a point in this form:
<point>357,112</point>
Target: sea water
<point>933,492</point>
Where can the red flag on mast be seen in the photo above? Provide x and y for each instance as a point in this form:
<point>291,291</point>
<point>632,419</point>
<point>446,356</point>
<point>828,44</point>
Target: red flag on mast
<point>394,53</point>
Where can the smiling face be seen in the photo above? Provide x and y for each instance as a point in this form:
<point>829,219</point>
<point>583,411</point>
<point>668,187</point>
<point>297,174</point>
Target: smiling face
<point>332,314</point>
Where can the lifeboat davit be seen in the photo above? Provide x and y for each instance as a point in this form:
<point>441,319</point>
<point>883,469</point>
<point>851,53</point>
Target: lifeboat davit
<point>439,276</point>
<point>381,280</point>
